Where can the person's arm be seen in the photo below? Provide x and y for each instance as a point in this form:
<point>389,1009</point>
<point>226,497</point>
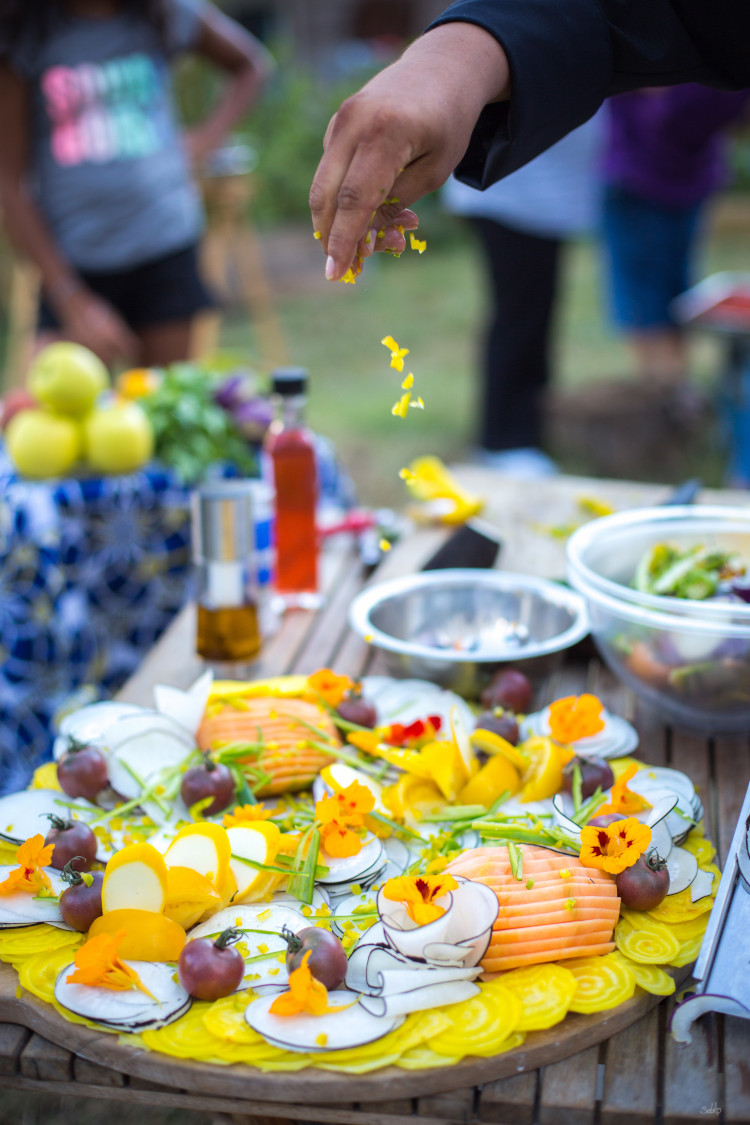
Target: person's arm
<point>401,135</point>
<point>84,317</point>
<point>248,65</point>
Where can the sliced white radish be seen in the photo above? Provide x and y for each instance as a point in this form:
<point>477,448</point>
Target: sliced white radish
<point>352,1026</point>
<point>143,746</point>
<point>398,858</point>
<point>135,879</point>
<point>129,1008</point>
<point>347,909</point>
<point>420,999</point>
<point>618,738</point>
<point>185,707</point>
<point>25,909</point>
<point>90,724</point>
<point>351,869</point>
<point>459,937</point>
<point>320,897</point>
<point>269,970</point>
<point>563,820</point>
<point>701,885</point>
<point>24,814</point>
<point>683,868</point>
<point>681,817</point>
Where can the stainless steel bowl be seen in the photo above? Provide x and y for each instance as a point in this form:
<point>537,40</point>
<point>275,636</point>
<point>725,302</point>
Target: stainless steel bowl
<point>457,627</point>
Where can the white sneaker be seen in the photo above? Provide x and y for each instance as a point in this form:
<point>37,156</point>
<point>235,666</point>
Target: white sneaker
<point>523,464</point>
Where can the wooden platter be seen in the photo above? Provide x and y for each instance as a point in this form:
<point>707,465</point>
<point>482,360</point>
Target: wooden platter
<point>573,1034</point>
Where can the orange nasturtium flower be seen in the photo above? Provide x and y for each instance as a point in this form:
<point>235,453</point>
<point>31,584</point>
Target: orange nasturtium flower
<point>97,963</point>
<point>622,800</point>
<point>330,687</point>
<point>306,994</point>
<point>418,894</point>
<point>341,813</point>
<point>246,814</point>
<point>32,857</point>
<point>397,353</point>
<point>616,846</point>
<point>574,717</point>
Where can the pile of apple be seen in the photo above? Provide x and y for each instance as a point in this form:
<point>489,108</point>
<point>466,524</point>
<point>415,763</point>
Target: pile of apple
<point>66,418</point>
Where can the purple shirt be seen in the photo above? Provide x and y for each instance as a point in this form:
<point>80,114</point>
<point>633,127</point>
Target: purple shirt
<point>667,145</point>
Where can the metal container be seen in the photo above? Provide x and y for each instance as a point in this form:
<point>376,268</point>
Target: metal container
<point>457,627</point>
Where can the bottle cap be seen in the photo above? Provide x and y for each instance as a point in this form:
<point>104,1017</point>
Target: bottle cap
<point>289,381</point>
<point>223,525</point>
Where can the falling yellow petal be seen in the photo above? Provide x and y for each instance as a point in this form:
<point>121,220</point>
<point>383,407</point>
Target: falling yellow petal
<point>316,234</point>
<point>408,382</point>
<point>400,408</point>
<point>406,474</point>
<point>418,403</point>
<point>389,343</point>
<point>419,244</point>
<point>384,545</point>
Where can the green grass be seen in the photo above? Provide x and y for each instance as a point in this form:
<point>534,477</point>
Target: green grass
<point>433,304</point>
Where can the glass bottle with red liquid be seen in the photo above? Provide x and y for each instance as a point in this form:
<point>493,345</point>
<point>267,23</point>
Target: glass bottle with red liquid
<point>291,451</point>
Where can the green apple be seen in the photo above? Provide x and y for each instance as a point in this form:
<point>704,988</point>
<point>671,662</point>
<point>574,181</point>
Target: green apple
<point>118,437</point>
<point>67,378</point>
<point>43,444</point>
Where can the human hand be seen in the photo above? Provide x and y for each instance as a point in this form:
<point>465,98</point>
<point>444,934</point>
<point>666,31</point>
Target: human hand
<point>93,322</point>
<point>400,137</point>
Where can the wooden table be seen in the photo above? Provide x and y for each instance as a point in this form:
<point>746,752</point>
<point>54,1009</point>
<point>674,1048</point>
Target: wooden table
<point>639,1074</point>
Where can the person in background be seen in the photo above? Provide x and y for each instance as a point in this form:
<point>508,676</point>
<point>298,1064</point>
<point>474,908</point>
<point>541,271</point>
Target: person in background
<point>664,158</point>
<point>490,85</point>
<point>95,175</point>
<point>522,224</point>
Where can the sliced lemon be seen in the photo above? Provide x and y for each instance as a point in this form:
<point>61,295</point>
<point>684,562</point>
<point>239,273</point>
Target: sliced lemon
<point>492,744</point>
<point>497,776</point>
<point>544,774</point>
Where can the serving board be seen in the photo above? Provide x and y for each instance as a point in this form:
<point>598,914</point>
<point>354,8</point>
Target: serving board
<point>541,1048</point>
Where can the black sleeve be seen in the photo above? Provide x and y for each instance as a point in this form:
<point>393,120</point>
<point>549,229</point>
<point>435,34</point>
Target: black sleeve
<point>567,56</point>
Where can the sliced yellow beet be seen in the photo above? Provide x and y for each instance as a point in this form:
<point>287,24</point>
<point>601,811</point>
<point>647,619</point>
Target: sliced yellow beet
<point>203,847</point>
<point>260,843</point>
<point>496,776</point>
<point>148,936</point>
<point>135,879</point>
<point>491,743</point>
<point>191,897</point>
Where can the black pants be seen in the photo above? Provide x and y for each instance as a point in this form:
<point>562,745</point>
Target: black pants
<point>523,271</point>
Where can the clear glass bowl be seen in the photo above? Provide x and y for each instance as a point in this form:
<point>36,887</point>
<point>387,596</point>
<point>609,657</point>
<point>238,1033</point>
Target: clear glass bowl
<point>690,660</point>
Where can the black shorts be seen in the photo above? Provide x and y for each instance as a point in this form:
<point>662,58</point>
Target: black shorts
<point>168,288</point>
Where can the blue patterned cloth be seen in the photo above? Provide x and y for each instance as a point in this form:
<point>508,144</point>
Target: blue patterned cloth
<point>91,572</point>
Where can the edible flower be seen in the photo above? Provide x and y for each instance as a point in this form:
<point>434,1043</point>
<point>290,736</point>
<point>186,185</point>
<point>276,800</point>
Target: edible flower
<point>138,382</point>
<point>418,894</point>
<point>615,846</point>
<point>574,717</point>
<point>306,994</point>
<point>330,687</point>
<point>32,856</point>
<point>624,801</point>
<point>397,353</point>
<point>245,814</point>
<point>339,814</point>
<point>413,734</point>
<point>430,480</point>
<point>98,964</point>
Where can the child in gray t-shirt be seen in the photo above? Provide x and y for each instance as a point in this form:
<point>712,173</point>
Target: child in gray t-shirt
<point>95,180</point>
